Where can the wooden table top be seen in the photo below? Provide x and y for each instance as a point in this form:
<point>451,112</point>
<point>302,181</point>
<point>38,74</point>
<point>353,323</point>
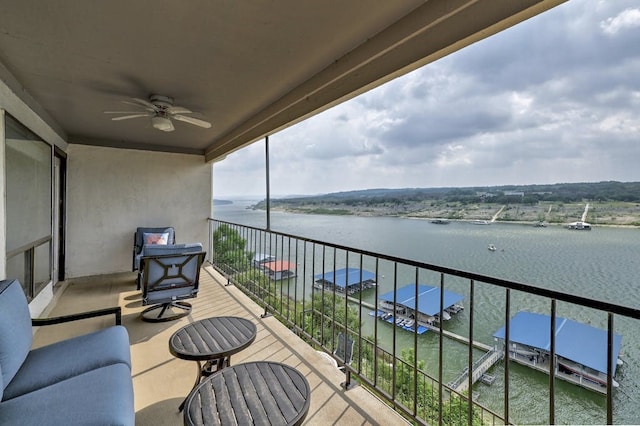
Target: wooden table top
<point>253,393</point>
<point>212,338</point>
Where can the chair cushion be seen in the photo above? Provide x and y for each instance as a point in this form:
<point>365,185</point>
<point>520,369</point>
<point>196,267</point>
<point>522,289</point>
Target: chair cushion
<point>98,397</point>
<point>68,358</point>
<point>158,250</point>
<point>15,329</point>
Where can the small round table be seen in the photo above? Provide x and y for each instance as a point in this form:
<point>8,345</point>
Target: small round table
<point>211,342</point>
<point>252,393</point>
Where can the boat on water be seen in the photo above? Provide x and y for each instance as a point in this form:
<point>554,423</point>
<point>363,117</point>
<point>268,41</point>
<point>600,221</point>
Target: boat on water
<point>491,247</point>
<point>580,226</point>
<point>440,221</point>
<point>455,308</point>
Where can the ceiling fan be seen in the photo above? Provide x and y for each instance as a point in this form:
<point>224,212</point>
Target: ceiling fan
<point>161,110</point>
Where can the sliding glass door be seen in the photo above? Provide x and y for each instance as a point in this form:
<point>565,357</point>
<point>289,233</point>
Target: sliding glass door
<point>28,161</point>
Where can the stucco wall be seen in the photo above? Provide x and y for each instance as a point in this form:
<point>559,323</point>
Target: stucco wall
<point>3,207</point>
<point>112,191</point>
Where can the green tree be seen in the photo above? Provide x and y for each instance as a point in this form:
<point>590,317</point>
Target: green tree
<point>229,249</point>
<point>326,319</point>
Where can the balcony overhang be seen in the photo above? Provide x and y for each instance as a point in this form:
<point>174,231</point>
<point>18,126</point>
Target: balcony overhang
<point>251,68</point>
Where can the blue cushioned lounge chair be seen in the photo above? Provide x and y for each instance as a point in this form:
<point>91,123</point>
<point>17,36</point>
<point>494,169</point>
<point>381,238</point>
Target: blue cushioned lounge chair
<point>169,274</point>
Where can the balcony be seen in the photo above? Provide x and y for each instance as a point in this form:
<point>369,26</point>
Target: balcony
<point>56,81</point>
<point>392,361</point>
<point>300,324</point>
<point>161,381</point>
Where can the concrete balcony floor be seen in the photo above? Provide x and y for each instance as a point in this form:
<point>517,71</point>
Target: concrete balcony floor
<point>161,381</point>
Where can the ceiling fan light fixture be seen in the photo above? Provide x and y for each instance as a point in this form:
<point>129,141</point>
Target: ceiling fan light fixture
<point>162,123</point>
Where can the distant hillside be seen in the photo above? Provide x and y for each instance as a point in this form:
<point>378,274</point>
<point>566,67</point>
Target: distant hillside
<point>610,202</point>
<point>559,192</point>
<point>222,202</point>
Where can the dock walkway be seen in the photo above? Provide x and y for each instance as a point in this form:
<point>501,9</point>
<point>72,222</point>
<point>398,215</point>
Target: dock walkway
<point>480,367</point>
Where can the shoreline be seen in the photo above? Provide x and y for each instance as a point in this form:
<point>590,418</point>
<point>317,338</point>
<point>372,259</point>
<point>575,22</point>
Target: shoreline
<point>345,211</point>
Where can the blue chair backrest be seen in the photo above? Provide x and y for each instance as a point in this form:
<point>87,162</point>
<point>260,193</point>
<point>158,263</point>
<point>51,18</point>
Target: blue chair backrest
<point>139,235</point>
<point>170,273</point>
<point>16,334</point>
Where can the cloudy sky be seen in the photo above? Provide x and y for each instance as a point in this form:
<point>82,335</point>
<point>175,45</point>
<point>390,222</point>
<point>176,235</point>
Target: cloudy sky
<point>554,99</point>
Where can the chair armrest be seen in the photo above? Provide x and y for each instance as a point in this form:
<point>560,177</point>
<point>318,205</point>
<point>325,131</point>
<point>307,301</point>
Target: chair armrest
<point>116,310</point>
<point>135,252</point>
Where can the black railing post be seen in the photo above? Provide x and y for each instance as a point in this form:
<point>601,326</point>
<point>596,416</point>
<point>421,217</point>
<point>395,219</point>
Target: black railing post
<point>610,364</point>
<point>470,355</point>
<point>267,182</point>
<point>415,344</point>
<point>441,352</point>
<point>552,365</point>
<point>507,330</point>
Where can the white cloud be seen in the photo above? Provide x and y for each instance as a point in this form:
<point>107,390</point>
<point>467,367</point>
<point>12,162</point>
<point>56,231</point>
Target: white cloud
<point>554,99</point>
<point>628,18</point>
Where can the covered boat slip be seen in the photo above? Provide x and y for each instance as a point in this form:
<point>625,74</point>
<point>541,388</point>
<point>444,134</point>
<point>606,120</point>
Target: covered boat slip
<point>417,308</point>
<point>428,302</point>
<point>279,270</point>
<point>581,349</point>
<point>349,280</point>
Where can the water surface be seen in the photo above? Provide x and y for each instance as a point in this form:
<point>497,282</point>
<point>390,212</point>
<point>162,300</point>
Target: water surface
<point>602,264</point>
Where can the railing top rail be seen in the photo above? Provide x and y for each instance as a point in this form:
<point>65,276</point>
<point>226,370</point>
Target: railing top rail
<point>513,285</point>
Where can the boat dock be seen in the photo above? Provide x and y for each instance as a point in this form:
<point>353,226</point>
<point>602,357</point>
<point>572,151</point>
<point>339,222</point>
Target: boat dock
<point>449,334</point>
<point>480,367</point>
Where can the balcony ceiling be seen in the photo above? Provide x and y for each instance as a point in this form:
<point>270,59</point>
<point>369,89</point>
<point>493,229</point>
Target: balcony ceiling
<point>249,67</point>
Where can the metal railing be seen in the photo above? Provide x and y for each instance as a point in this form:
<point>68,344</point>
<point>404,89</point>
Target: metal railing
<point>281,273</point>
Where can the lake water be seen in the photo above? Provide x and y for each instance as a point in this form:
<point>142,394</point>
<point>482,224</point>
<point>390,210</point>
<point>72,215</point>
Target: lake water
<point>602,264</point>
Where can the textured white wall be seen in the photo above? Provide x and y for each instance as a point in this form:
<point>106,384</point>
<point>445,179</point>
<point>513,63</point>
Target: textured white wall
<point>3,206</point>
<point>112,191</point>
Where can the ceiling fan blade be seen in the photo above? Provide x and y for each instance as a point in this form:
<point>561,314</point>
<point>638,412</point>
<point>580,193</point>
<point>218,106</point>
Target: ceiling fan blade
<point>126,117</point>
<point>123,112</point>
<point>141,103</point>
<point>178,110</point>
<point>192,120</point>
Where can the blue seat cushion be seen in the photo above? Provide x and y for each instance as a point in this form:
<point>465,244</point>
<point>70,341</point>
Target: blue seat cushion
<point>68,358</point>
<point>98,397</point>
<point>15,329</point>
<point>179,249</point>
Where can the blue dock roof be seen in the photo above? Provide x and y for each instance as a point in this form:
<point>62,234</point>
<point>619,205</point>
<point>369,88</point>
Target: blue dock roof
<point>575,341</point>
<point>340,277</point>
<point>428,298</point>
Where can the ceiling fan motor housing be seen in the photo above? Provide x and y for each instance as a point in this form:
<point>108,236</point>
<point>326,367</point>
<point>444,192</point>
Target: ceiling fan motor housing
<point>161,101</point>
